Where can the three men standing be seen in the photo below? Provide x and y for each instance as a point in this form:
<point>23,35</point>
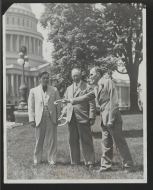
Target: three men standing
<point>43,115</point>
<point>106,95</point>
<point>81,113</point>
<point>80,118</point>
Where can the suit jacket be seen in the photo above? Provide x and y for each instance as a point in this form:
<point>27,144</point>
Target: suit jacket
<point>35,104</point>
<point>107,98</point>
<point>83,111</point>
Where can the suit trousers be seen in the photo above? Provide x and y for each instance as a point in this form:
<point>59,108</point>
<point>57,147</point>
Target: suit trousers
<point>80,132</point>
<point>107,146</point>
<point>49,129</point>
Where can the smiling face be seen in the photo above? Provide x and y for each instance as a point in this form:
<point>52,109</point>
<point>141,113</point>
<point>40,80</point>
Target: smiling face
<point>94,76</point>
<point>44,80</point>
<point>76,76</point>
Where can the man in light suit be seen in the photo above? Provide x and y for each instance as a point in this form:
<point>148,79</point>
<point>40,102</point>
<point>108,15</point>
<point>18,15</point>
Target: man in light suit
<point>106,95</point>
<point>80,118</point>
<point>43,116</point>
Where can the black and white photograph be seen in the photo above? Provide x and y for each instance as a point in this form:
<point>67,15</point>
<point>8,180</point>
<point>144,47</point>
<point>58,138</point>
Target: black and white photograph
<point>74,93</point>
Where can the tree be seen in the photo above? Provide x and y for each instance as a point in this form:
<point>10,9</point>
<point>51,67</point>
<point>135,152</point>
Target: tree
<point>84,36</point>
<point>126,20</point>
<point>80,37</point>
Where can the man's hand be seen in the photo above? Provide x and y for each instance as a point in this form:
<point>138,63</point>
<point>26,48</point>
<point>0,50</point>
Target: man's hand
<point>33,124</point>
<point>109,125</point>
<point>66,101</point>
<point>92,121</point>
<point>61,116</point>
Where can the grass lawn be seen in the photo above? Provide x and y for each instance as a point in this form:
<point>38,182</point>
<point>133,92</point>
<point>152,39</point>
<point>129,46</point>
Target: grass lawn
<point>21,142</point>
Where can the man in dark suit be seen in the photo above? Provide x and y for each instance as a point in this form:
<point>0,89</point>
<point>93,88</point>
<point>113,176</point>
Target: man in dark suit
<point>80,118</point>
<point>106,95</point>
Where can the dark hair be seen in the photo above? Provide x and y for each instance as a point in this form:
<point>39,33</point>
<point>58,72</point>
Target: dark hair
<point>98,69</point>
<point>42,73</point>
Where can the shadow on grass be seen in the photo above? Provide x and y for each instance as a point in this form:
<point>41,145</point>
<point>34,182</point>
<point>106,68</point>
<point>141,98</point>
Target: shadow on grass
<point>125,112</point>
<point>127,134</point>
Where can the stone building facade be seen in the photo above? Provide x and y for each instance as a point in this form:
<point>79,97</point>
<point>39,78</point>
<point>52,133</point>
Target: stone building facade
<point>21,30</point>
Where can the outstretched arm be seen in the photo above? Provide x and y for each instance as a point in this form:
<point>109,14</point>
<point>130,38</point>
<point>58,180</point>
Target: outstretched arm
<point>81,99</point>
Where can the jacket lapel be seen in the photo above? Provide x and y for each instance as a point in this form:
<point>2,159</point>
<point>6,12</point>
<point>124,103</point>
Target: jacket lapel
<point>48,92</point>
<point>40,93</point>
<point>71,89</point>
<point>80,88</point>
<point>100,85</point>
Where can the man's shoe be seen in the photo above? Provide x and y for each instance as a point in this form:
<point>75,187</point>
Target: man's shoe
<point>52,165</point>
<point>74,165</point>
<point>36,164</point>
<point>102,169</point>
<point>129,170</point>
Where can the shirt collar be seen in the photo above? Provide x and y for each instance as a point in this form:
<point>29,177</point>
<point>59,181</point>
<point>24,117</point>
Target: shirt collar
<point>100,81</point>
<point>42,88</point>
<point>78,84</point>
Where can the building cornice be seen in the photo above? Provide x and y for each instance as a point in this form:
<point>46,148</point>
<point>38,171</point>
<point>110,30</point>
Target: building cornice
<point>19,31</point>
<point>21,15</point>
<point>20,9</point>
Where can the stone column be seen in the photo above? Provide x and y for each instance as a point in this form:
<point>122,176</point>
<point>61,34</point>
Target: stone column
<point>34,44</point>
<point>17,85</point>
<point>11,42</point>
<point>35,81</point>
<point>29,44</point>
<point>17,43</point>
<point>29,81</point>
<point>37,47</point>
<point>24,41</point>
<point>12,84</point>
<point>26,80</point>
<point>7,85</point>
<point>42,48</point>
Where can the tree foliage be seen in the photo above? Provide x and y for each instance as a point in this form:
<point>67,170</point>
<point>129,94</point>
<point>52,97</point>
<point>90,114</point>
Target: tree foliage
<point>80,37</point>
<point>83,36</point>
<point>127,35</point>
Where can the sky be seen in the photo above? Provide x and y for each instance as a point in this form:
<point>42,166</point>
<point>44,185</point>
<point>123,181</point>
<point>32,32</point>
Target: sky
<point>38,9</point>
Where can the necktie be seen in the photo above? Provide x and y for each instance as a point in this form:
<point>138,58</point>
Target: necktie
<point>76,88</point>
<point>45,88</point>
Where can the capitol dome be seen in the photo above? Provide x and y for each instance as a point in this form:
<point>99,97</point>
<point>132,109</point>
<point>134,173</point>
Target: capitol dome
<point>21,29</point>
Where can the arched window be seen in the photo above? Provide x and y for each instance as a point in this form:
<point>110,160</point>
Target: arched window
<point>27,23</point>
<point>13,20</point>
<point>18,21</point>
<point>7,20</point>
